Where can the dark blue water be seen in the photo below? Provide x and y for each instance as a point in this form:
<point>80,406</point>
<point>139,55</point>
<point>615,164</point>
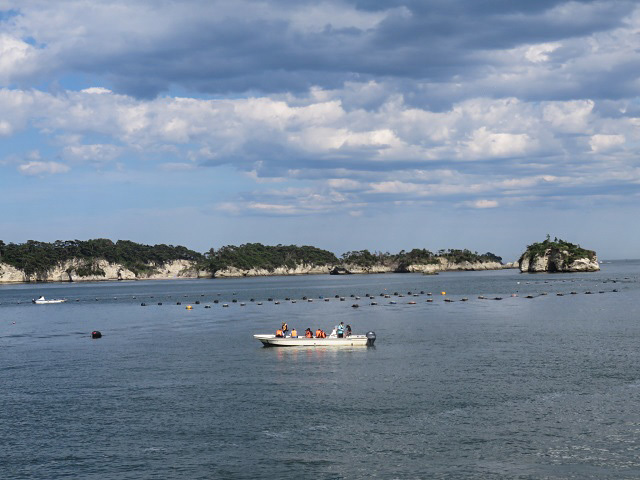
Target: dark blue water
<point>547,387</point>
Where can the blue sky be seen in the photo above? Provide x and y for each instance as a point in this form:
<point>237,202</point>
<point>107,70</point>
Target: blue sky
<point>341,124</point>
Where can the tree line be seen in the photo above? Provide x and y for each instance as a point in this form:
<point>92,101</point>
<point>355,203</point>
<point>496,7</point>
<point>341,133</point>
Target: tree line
<point>35,257</point>
<point>557,246</point>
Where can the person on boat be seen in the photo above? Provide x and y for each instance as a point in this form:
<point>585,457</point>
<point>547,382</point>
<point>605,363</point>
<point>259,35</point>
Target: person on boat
<point>323,334</point>
<point>294,333</point>
<point>279,333</point>
<point>307,333</point>
<point>318,333</point>
<point>348,331</point>
<point>340,330</point>
<point>285,328</point>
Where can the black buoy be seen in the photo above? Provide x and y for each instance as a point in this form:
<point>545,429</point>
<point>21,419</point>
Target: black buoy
<point>96,334</point>
<point>371,338</point>
<point>143,304</point>
<point>216,301</point>
<point>197,302</point>
<point>235,300</point>
<point>159,303</point>
<point>355,305</point>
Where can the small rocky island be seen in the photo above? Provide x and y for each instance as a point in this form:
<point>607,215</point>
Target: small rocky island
<point>557,256</point>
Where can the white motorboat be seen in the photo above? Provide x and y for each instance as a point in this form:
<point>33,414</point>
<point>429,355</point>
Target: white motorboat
<point>44,301</point>
<point>330,341</point>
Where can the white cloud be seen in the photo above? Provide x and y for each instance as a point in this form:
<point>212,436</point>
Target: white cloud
<point>96,90</point>
<point>571,117</point>
<point>604,143</point>
<point>485,143</point>
<point>16,58</point>
<point>540,53</point>
<point>485,204</point>
<point>35,168</point>
<point>96,153</point>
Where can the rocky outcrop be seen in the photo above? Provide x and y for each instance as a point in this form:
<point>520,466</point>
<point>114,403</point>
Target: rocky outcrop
<point>337,270</point>
<point>556,257</point>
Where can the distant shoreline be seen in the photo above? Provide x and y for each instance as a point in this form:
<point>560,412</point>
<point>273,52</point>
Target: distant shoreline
<point>182,270</point>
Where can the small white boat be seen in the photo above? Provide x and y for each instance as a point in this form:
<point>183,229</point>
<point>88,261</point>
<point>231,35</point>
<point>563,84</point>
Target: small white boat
<point>330,341</point>
<point>43,301</point>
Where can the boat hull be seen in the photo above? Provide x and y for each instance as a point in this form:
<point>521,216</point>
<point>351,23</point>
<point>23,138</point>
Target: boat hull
<point>352,341</point>
<point>47,302</point>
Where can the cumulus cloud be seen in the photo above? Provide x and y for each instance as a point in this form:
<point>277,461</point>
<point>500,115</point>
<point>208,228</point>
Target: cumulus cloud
<point>603,143</point>
<point>338,102</point>
<point>143,47</point>
<point>395,151</point>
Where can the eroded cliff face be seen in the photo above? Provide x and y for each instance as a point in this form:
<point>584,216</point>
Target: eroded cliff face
<point>72,271</point>
<point>443,266</point>
<point>262,272</point>
<point>76,271</point>
<point>557,261</point>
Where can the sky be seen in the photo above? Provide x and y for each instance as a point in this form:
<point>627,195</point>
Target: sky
<point>346,125</point>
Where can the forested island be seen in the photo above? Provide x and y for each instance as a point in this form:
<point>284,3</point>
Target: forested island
<point>557,255</point>
<point>103,259</point>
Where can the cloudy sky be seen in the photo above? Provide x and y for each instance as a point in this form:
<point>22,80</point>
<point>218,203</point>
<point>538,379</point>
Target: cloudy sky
<point>342,124</point>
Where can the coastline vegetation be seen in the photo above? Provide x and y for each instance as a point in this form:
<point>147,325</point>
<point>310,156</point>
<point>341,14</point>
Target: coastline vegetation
<point>258,256</point>
<point>39,258</point>
<point>556,246</point>
<point>33,257</point>
<point>417,256</point>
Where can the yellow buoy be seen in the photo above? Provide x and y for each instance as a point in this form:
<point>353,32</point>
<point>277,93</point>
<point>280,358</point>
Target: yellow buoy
<point>189,307</point>
<point>443,293</point>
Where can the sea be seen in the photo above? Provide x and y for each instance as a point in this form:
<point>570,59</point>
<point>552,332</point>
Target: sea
<point>498,387</point>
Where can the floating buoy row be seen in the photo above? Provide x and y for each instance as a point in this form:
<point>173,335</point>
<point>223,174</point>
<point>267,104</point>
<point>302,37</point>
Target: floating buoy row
<point>391,302</point>
<point>370,296</point>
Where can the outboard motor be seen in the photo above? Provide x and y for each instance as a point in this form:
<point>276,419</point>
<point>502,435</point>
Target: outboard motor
<point>96,334</point>
<point>371,338</point>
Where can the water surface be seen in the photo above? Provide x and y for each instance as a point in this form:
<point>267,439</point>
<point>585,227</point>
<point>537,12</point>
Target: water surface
<point>546,387</point>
